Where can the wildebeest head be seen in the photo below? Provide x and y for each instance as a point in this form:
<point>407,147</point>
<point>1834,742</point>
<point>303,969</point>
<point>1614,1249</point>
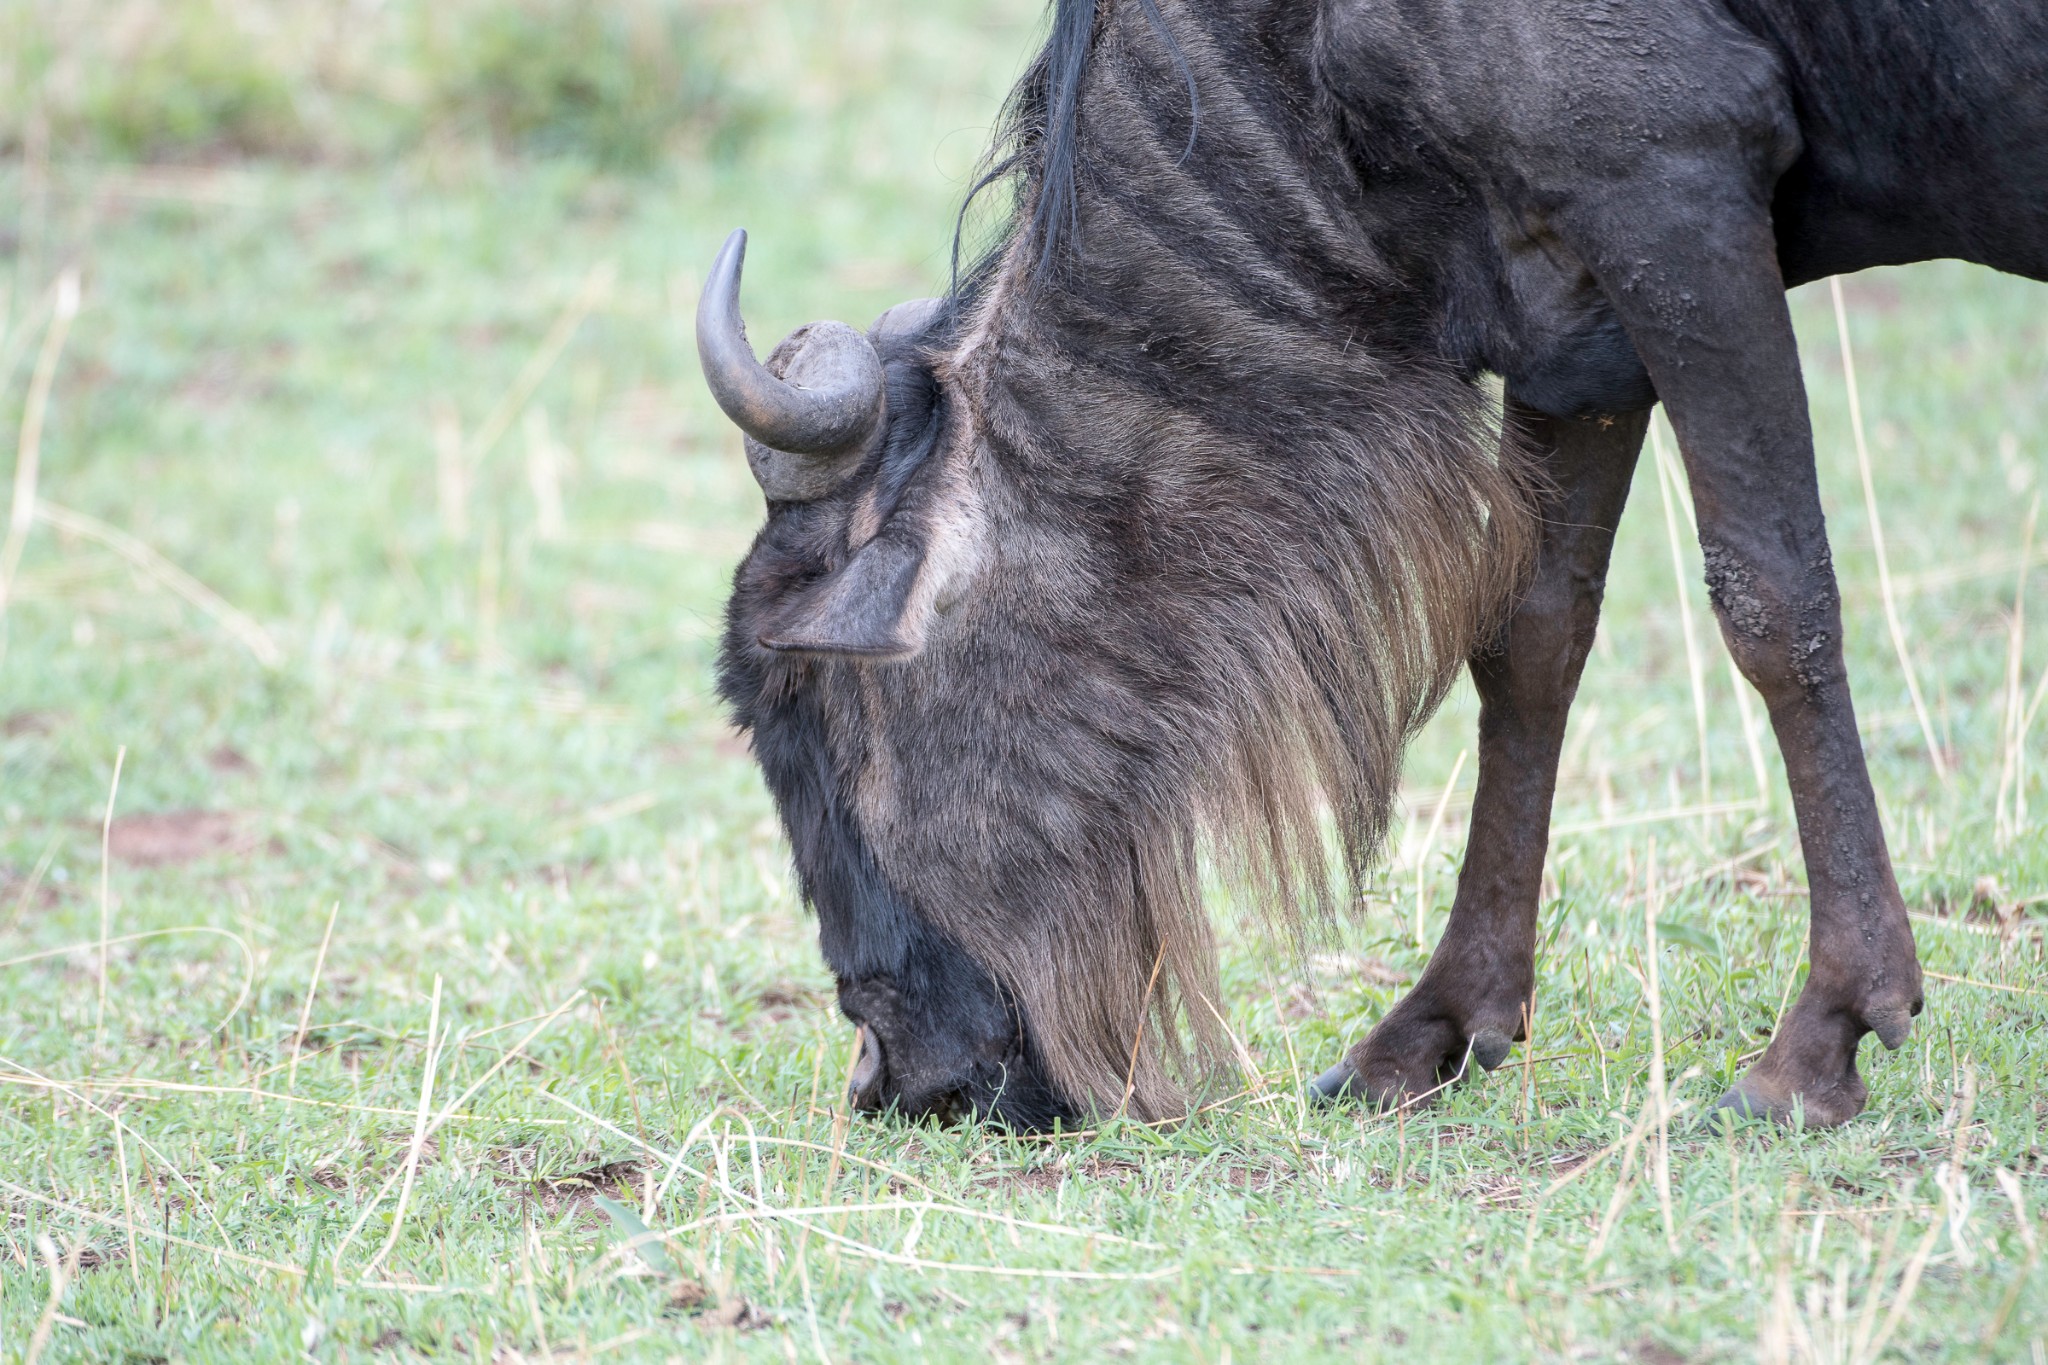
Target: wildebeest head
<point>844,634</point>
<point>1039,632</point>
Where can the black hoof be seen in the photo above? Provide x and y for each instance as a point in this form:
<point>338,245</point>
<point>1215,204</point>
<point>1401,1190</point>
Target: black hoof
<point>1892,1026</point>
<point>1743,1107</point>
<point>1490,1048</point>
<point>1334,1085</point>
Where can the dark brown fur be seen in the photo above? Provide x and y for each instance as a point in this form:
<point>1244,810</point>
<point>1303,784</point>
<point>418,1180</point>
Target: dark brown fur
<point>1182,516</point>
<point>1211,554</point>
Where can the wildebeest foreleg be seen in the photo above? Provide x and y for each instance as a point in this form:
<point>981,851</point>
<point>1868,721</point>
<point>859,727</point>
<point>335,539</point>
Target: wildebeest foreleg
<point>1473,995</point>
<point>1707,312</point>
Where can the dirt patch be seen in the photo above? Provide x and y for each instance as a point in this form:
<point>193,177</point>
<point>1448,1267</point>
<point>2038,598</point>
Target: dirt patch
<point>27,723</point>
<point>329,1178</point>
<point>94,1258</point>
<point>1037,1180</point>
<point>618,1180</point>
<point>229,761</point>
<point>783,1001</point>
<point>13,886</point>
<point>1047,1178</point>
<point>737,1314</point>
<point>167,838</point>
<point>1498,1192</point>
<point>1257,1179</point>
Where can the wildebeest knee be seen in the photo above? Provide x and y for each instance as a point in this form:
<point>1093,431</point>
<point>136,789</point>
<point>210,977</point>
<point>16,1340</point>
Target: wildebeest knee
<point>1781,620</point>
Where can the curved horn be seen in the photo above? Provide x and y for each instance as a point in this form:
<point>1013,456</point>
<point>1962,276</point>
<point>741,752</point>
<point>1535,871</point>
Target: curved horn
<point>821,394</point>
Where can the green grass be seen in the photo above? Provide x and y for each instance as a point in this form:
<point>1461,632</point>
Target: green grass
<point>618,84</point>
<point>496,752</point>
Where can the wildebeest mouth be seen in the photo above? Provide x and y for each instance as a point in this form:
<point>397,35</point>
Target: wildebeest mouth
<point>965,1061</point>
<point>867,1090</point>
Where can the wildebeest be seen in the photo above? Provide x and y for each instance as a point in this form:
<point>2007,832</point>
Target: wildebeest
<point>1147,547</point>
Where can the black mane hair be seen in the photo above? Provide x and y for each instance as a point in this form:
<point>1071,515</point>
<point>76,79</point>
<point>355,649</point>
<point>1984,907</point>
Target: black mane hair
<point>1038,134</point>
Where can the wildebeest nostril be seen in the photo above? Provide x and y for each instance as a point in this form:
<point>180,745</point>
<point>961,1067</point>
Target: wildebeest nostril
<point>864,1086</point>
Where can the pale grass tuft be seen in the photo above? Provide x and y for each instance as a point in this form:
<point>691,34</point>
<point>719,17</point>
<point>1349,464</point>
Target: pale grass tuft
<point>21,512</point>
<point>312,990</point>
<point>251,635</point>
<point>1884,569</point>
<point>419,1131</point>
<point>63,1269</point>
<point>99,1009</point>
<point>1422,854</point>
<point>2009,819</point>
<point>248,957</point>
<point>1669,477</point>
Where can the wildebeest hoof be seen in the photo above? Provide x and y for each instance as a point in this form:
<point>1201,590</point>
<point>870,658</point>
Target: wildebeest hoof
<point>1337,1084</point>
<point>1490,1047</point>
<point>1818,1101</point>
<point>1745,1102</point>
<point>1892,1025</point>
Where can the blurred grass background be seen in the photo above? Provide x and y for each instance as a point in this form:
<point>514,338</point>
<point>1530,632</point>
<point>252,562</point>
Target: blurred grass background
<point>622,83</point>
<point>384,527</point>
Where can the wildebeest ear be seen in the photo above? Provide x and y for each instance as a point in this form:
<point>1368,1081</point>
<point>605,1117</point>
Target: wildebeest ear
<point>864,609</point>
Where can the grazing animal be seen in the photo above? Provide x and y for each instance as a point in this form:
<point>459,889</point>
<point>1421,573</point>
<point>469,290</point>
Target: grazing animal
<point>1146,549</point>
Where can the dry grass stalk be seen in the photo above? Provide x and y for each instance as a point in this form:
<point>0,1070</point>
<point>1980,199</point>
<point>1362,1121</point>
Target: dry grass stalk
<point>62,1271</point>
<point>21,512</point>
<point>723,1186</point>
<point>33,884</point>
<point>244,628</point>
<point>1660,1094</point>
<point>248,957</point>
<point>447,1113</point>
<point>451,472</point>
<point>1986,985</point>
<point>1867,1348</point>
<point>597,287</point>
<point>726,1218</point>
<point>1752,737</point>
<point>457,460</point>
<point>1436,822</point>
<point>1138,1037</point>
<point>419,1131</point>
<point>99,1013</point>
<point>1884,568</point>
<point>121,1127</point>
<point>127,1205</point>
<point>544,478</point>
<point>1526,1110</point>
<point>2009,1185</point>
<point>15,335</point>
<point>1656,817</point>
<point>1679,495</point>
<point>1625,1143</point>
<point>291,1081</point>
<point>106,1220</point>
<point>2011,769</point>
<point>490,572</point>
<point>1669,477</point>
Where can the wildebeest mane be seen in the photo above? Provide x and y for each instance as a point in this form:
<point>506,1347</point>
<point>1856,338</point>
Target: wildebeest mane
<point>1038,130</point>
<point>1249,526</point>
